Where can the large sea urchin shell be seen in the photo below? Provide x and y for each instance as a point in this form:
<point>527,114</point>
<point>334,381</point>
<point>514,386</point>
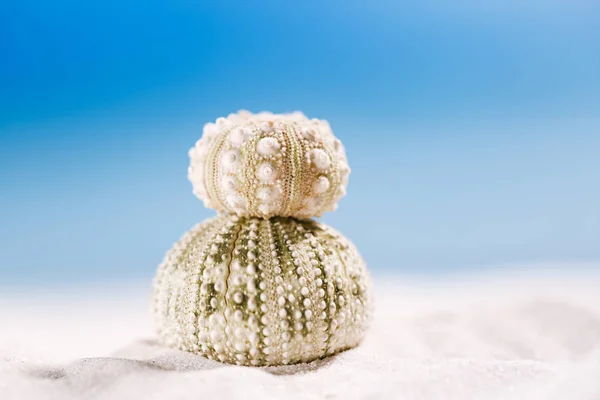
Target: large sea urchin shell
<point>252,291</point>
<point>269,165</point>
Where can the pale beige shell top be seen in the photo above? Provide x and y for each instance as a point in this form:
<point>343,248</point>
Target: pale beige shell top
<point>266,165</point>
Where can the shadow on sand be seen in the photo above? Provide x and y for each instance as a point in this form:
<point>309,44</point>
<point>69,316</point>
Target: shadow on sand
<point>147,354</point>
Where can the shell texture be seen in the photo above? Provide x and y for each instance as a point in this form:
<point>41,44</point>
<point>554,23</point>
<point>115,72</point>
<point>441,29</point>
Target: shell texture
<point>257,292</point>
<point>268,165</point>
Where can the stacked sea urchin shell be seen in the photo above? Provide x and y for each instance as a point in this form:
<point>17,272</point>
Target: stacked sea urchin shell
<point>262,284</point>
<point>268,165</point>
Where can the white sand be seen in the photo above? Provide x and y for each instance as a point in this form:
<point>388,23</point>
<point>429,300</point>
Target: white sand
<point>491,338</point>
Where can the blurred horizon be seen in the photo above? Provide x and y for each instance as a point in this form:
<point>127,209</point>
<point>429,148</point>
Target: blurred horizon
<point>472,131</point>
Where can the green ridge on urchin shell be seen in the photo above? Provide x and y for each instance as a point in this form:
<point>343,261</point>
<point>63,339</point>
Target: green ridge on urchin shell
<point>251,291</point>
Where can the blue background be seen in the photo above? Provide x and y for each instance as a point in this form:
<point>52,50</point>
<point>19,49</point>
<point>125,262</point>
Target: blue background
<point>473,131</point>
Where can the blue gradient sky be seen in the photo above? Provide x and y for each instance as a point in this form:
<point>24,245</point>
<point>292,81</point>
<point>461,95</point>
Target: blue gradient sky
<point>473,131</point>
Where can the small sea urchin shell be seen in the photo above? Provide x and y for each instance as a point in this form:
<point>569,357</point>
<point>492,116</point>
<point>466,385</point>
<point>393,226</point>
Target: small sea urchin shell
<point>251,291</point>
<point>299,161</point>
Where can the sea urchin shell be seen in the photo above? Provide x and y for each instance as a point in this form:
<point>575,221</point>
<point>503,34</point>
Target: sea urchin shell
<point>254,291</point>
<point>269,165</point>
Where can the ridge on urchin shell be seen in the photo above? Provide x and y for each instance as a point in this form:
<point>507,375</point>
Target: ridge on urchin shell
<point>266,165</point>
<point>251,291</point>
